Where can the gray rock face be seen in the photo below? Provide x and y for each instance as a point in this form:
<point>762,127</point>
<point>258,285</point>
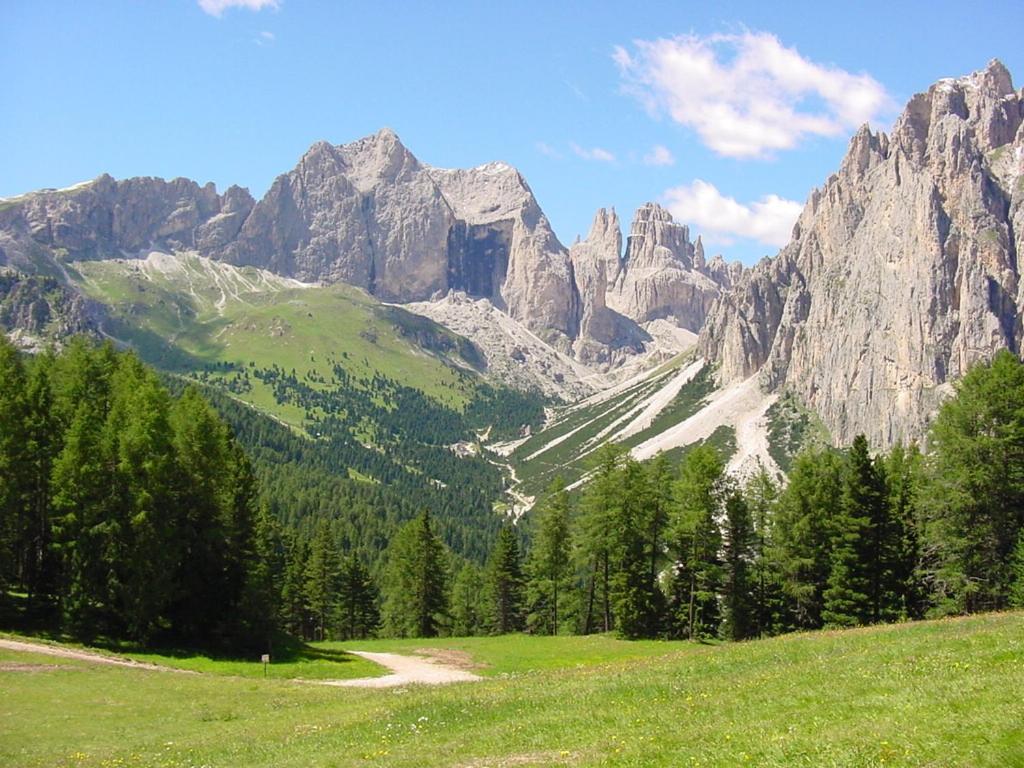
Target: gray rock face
<point>902,271</point>
<point>371,215</point>
<point>661,274</point>
<point>108,218</point>
<point>504,249</point>
<point>605,336</point>
<point>38,310</point>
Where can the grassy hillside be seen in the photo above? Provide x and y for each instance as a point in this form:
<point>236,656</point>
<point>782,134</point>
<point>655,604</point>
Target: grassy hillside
<point>941,693</point>
<point>191,314</point>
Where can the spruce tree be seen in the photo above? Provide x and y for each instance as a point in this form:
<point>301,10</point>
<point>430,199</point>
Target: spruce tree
<point>600,507</point>
<point>635,593</point>
<point>357,600</point>
<point>761,494</point>
<point>468,605</point>
<point>852,597</point>
<point>416,584</point>
<point>14,465</point>
<point>739,612</point>
<point>295,612</point>
<point>504,585</point>
<point>549,562</point>
<point>323,581</point>
<point>903,468</point>
<point>802,534</point>
<point>695,540</point>
<point>972,508</point>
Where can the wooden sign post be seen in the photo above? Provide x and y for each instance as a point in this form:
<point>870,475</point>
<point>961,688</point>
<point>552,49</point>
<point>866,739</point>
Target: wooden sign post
<point>265,658</point>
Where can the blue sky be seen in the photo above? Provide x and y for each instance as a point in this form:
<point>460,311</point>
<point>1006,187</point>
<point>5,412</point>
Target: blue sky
<point>728,112</point>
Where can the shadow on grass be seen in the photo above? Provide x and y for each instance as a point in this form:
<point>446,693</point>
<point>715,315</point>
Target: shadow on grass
<point>40,619</point>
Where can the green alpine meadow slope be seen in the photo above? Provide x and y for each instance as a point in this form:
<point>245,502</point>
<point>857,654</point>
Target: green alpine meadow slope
<point>941,693</point>
<point>211,320</point>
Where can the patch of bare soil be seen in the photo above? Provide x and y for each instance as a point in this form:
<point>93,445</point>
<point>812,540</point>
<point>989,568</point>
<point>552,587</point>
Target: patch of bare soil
<point>450,657</point>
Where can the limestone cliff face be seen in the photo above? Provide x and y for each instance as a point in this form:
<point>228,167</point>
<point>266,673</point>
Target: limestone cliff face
<point>108,218</point>
<point>370,214</point>
<point>605,336</point>
<point>902,272</point>
<point>661,274</point>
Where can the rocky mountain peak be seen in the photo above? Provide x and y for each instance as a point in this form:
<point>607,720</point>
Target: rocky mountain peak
<point>379,158</point>
<point>902,271</point>
<point>655,238</point>
<point>606,234</point>
<point>983,103</point>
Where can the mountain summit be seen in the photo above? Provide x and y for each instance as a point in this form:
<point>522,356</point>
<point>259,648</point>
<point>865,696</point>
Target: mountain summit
<point>902,272</point>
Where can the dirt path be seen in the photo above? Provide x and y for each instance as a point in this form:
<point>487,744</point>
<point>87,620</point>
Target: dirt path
<point>405,670</point>
<point>83,655</point>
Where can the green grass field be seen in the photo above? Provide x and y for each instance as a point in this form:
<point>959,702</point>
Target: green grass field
<point>191,313</point>
<point>944,693</point>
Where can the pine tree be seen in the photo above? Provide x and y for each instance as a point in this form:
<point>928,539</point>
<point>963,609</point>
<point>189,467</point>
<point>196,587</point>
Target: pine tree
<point>903,477</point>
<point>141,521</point>
<point>504,584</point>
<point>14,461</point>
<point>549,562</point>
<point>695,543</point>
<point>739,612</point>
<point>600,507</point>
<point>972,509</point>
<point>851,597</point>
<point>204,505</point>
<point>635,594</point>
<point>81,502</point>
<point>801,545</point>
<point>323,581</point>
<point>357,600</point>
<point>42,444</point>
<point>468,606</point>
<point>295,613</point>
<point>416,596</point>
<point>761,494</point>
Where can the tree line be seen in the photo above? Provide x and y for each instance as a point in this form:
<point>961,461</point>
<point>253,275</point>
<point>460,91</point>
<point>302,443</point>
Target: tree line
<point>125,512</point>
<point>852,538</point>
<point>128,509</point>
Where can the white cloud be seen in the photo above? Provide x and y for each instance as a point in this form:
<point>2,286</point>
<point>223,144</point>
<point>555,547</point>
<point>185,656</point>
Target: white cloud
<point>265,38</point>
<point>721,219</point>
<point>747,95</point>
<point>546,149</point>
<point>659,155</point>
<point>596,153</point>
<point>217,7</point>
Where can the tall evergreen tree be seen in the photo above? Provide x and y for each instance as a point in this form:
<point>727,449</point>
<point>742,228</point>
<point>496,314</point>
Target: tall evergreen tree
<point>468,605</point>
<point>416,586</point>
<point>972,509</point>
<point>295,612</point>
<point>739,612</point>
<point>357,600</point>
<point>549,563</point>
<point>505,583</point>
<point>323,580</point>
<point>802,538</point>
<point>14,464</point>
<point>635,594</point>
<point>903,468</point>
<point>695,543</point>
<point>761,494</point>
<point>851,595</point>
<point>600,507</point>
<point>42,444</point>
